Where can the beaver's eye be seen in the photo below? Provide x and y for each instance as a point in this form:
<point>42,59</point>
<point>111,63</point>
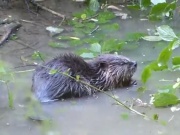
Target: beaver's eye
<point>102,64</point>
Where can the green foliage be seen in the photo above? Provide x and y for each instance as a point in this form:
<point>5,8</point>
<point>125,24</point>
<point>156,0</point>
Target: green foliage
<point>37,56</point>
<point>165,97</point>
<point>10,99</point>
<point>2,68</point>
<point>77,77</point>
<point>14,37</point>
<point>87,11</point>
<point>125,116</point>
<point>94,5</point>
<point>152,38</point>
<point>155,117</point>
<point>146,74</point>
<point>53,71</point>
<point>111,27</point>
<point>5,77</point>
<point>96,47</point>
<point>83,16</point>
<point>141,89</point>
<point>112,45</point>
<point>161,10</point>
<point>134,37</point>
<point>87,55</point>
<point>104,17</point>
<point>164,56</point>
<point>176,60</point>
<point>93,51</point>
<point>165,100</point>
<point>153,66</point>
<point>158,9</point>
<point>94,33</point>
<point>145,3</point>
<point>165,33</point>
<point>140,5</point>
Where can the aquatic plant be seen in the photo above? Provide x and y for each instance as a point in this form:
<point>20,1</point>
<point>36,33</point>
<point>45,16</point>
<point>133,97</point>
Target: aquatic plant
<point>168,96</point>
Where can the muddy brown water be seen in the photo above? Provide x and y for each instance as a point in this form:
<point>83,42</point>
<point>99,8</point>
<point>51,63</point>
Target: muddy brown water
<point>88,115</point>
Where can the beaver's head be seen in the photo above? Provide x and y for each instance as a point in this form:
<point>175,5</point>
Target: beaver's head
<point>114,70</point>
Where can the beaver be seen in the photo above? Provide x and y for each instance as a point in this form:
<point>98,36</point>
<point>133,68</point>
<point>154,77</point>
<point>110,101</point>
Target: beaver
<point>105,72</point>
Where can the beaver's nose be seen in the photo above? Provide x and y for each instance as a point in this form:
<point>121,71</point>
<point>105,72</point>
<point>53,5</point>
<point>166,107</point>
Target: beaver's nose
<point>134,63</point>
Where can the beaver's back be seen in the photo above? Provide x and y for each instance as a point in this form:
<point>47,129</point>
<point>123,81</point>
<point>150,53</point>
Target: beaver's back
<point>49,83</point>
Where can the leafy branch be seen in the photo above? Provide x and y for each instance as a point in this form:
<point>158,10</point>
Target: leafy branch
<point>164,33</point>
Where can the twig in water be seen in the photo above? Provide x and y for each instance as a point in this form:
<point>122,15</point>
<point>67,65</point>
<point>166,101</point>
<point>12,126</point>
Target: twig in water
<point>47,9</point>
<point>97,27</point>
<point>27,4</point>
<point>9,29</point>
<point>24,44</point>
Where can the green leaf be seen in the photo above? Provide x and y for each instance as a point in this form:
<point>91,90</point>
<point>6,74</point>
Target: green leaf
<point>136,7</point>
<point>164,123</point>
<point>2,68</point>
<point>96,47</point>
<point>53,71</point>
<point>86,11</point>
<point>83,16</point>
<point>157,11</point>
<point>152,38</point>
<point>112,45</point>
<point>155,66</point>
<point>90,25</point>
<point>134,36</point>
<point>161,9</point>
<point>141,89</point>
<point>146,74</point>
<point>155,117</point>
<point>145,3</point>
<point>176,85</point>
<point>10,99</point>
<point>176,60</point>
<point>87,55</point>
<point>166,33</point>
<point>166,53</point>
<point>164,56</point>
<point>105,17</point>
<point>76,42</point>
<point>124,116</point>
<point>77,24</point>
<point>94,5</point>
<point>170,7</point>
<point>37,56</point>
<point>108,27</point>
<point>77,77</point>
<point>176,67</point>
<point>13,37</point>
<point>175,44</point>
<point>165,99</point>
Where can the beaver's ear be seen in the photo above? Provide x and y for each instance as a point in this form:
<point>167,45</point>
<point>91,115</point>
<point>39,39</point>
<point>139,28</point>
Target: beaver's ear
<point>102,64</point>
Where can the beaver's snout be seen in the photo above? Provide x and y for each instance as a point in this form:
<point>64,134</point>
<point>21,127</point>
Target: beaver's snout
<point>134,64</point>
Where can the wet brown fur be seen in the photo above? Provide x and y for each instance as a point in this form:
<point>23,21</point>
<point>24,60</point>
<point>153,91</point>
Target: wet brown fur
<point>105,72</point>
